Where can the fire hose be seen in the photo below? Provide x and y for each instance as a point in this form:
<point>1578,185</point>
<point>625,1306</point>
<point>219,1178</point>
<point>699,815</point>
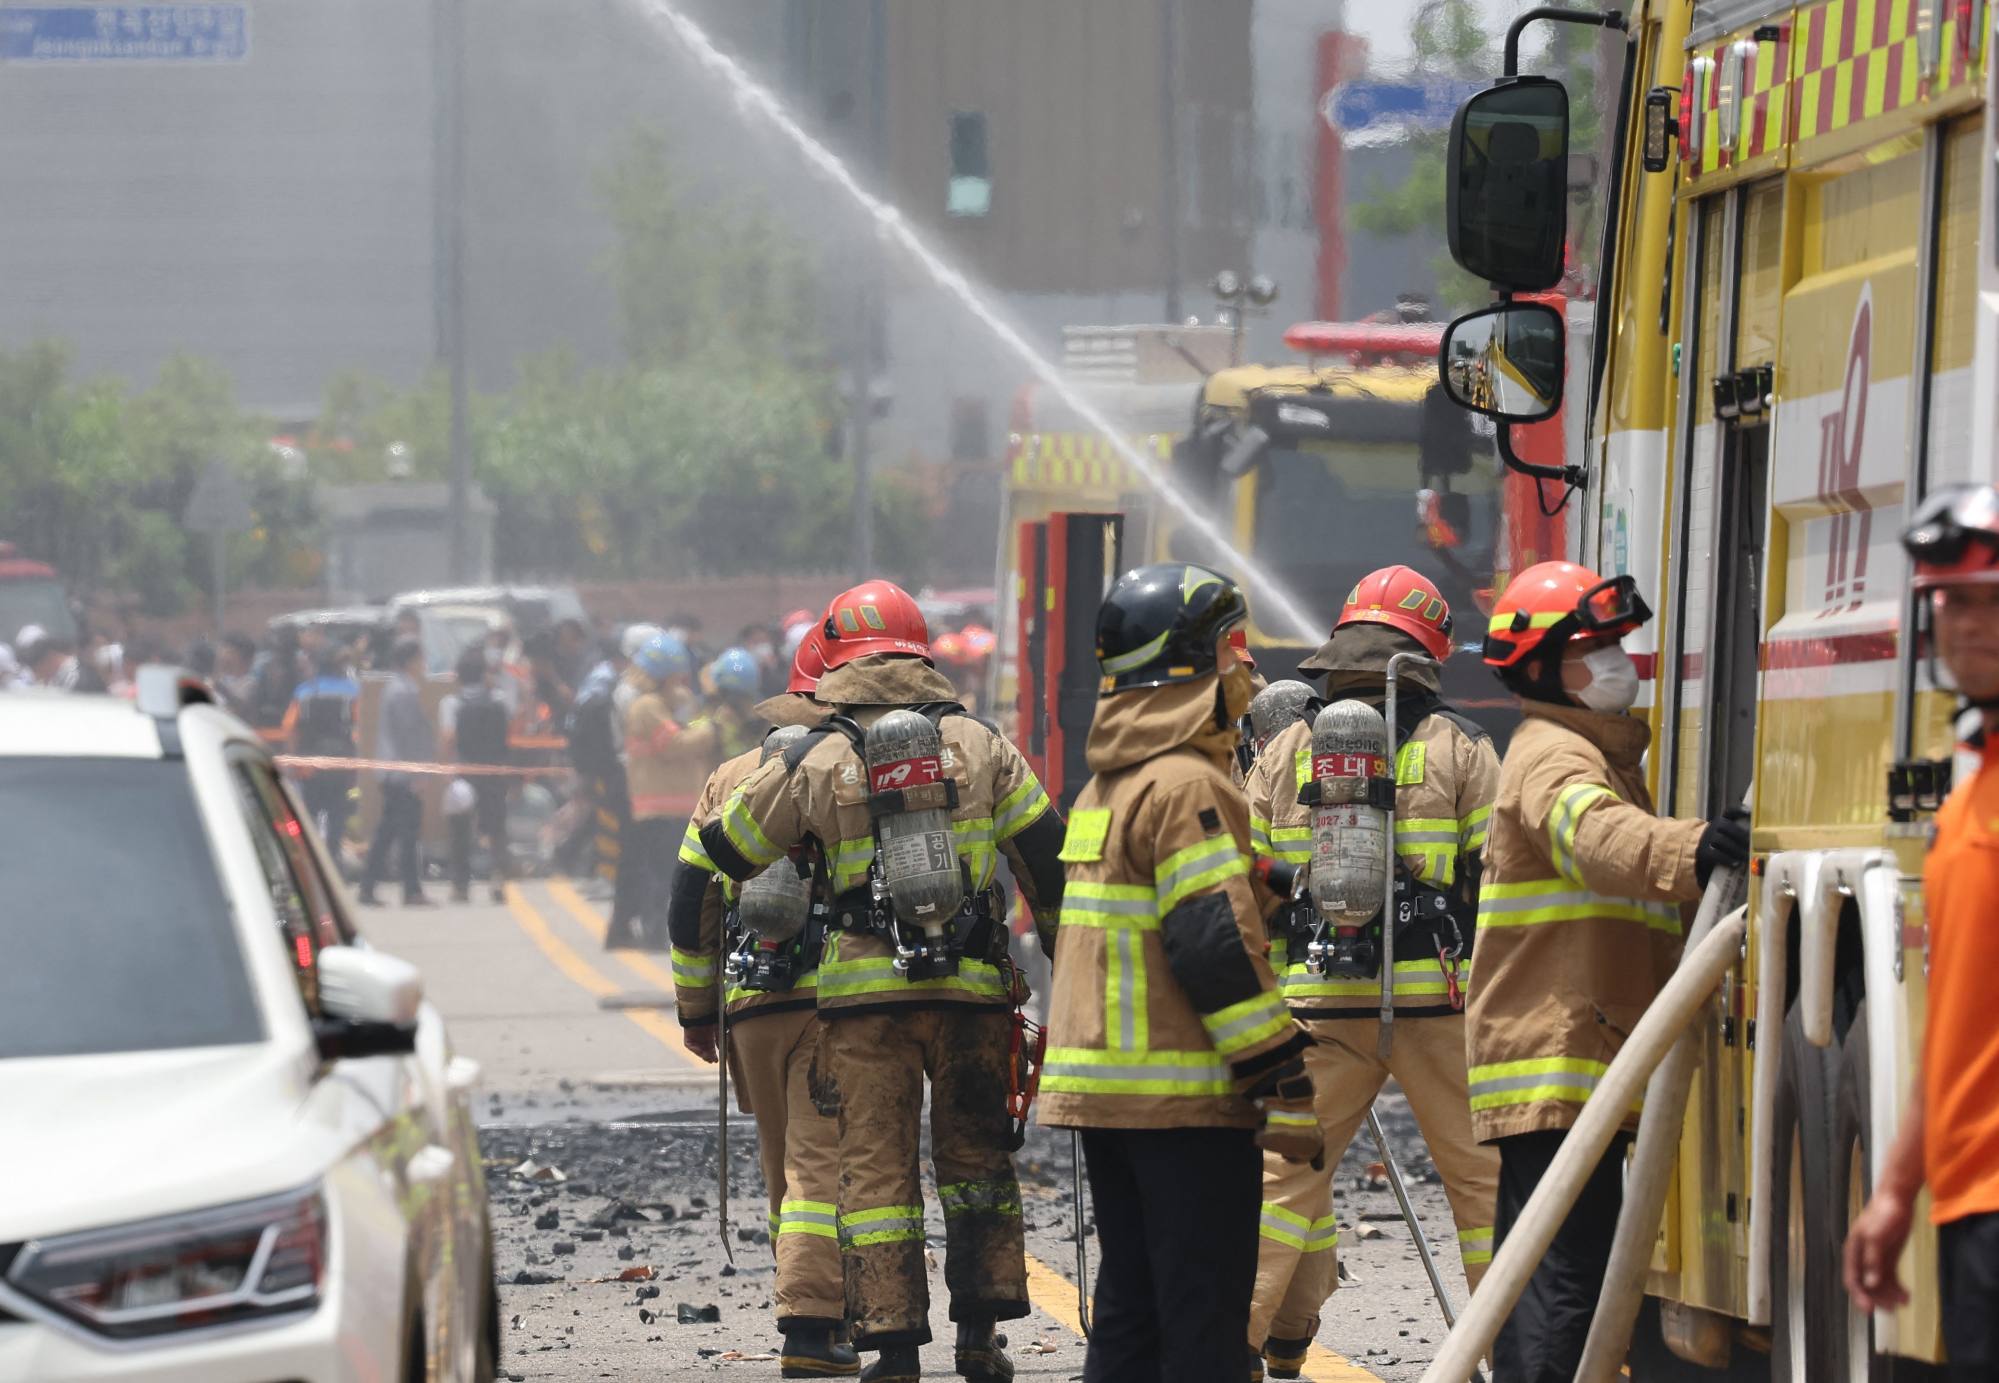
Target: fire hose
<point>1650,1173</point>
<point>1678,1004</point>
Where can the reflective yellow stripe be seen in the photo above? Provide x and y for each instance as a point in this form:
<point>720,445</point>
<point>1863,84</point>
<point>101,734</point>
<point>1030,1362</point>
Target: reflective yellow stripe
<point>1000,1196</point>
<point>1411,764</point>
<point>743,832</point>
<point>1413,979</point>
<point>1199,866</point>
<point>1570,804</point>
<point>1259,835</point>
<point>1301,765</point>
<point>1535,1079</point>
<point>1291,844</point>
<point>890,1224</point>
<point>1430,845</point>
<point>1285,1226</point>
<point>1472,829</point>
<point>1502,625</point>
<point>816,1218</point>
<point>808,983</point>
<point>846,979</point>
<point>1087,904</point>
<point>1475,1245</point>
<point>1536,901</point>
<point>1087,1071</point>
<point>691,851</point>
<point>1020,809</point>
<point>1243,1025</point>
<point>693,969</point>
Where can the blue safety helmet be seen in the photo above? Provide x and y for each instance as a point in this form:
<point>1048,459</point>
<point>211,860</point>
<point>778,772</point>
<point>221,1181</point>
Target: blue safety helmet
<point>663,656</point>
<point>735,673</point>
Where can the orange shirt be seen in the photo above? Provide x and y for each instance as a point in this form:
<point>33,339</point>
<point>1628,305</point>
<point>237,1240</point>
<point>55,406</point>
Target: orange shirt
<point>1961,1042</point>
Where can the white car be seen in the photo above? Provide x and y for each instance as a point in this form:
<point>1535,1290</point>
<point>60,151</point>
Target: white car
<point>234,1141</point>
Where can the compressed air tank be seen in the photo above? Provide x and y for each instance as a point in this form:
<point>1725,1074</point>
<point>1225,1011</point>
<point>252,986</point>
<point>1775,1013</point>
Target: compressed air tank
<point>1349,836</point>
<point>915,846</point>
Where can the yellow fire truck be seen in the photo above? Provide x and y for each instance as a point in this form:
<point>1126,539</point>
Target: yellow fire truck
<point>1320,470</point>
<point>1797,338</point>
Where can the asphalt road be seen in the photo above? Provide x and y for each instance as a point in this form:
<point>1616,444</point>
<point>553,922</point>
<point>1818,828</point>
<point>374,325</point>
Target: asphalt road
<point>599,1136</point>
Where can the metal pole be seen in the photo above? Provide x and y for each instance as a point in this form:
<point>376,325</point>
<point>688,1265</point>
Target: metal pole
<point>218,556</point>
<point>1401,1190</point>
<point>722,1121</point>
<point>451,150</point>
<point>1169,147</point>
<point>1082,1243</point>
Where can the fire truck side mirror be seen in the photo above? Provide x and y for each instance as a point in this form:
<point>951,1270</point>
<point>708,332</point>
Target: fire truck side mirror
<point>1506,189</point>
<point>1505,361</point>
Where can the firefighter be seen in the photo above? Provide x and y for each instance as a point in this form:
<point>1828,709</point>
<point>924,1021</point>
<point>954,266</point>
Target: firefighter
<point>1579,924</point>
<point>774,1032</point>
<point>1169,1046</point>
<point>660,673</point>
<point>727,726</point>
<point>1446,775</point>
<point>1949,1140</point>
<point>915,979</point>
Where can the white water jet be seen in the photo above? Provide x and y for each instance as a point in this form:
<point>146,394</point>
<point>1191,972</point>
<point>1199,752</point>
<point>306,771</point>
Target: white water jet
<point>752,95</point>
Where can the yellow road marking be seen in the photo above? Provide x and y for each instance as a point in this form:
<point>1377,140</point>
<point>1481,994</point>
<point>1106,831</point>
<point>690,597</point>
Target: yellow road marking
<point>578,907</point>
<point>656,1025</point>
<point>1046,1288</point>
<point>1056,1296</point>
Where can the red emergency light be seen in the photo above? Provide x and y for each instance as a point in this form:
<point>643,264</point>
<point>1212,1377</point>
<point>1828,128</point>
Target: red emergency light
<point>1368,341</point>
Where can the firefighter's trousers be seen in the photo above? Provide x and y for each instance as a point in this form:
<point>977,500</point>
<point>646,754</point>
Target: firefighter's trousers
<point>878,1062</point>
<point>773,1057</point>
<point>1297,1260</point>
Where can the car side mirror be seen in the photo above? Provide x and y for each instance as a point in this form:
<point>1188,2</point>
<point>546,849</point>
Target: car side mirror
<point>1505,361</point>
<point>369,1002</point>
<point>1506,185</point>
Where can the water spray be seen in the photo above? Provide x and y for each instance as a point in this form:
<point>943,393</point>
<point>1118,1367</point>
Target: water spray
<point>753,97</point>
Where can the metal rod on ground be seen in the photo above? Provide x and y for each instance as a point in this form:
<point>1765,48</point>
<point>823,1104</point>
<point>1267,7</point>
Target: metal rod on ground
<point>1651,1172</point>
<point>1401,1190</point>
<point>1082,1244</point>
<point>1701,968</point>
<point>722,1122</point>
<point>1409,1216</point>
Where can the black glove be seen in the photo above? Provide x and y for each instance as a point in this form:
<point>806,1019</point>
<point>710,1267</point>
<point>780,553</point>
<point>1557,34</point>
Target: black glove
<point>1725,844</point>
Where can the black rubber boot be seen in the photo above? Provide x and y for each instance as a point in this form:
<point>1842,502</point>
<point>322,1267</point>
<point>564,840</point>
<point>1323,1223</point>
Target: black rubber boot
<point>896,1365</point>
<point>1285,1357</point>
<point>982,1354</point>
<point>810,1351</point>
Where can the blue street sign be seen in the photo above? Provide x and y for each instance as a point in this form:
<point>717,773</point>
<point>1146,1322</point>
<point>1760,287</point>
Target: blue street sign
<point>1354,107</point>
<point>124,33</point>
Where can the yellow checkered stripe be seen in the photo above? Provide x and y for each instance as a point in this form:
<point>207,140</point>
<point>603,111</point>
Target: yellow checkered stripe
<point>887,1224</point>
<point>1765,104</point>
<point>1284,1226</point>
<point>1080,461</point>
<point>1853,60</point>
<point>1538,902</point>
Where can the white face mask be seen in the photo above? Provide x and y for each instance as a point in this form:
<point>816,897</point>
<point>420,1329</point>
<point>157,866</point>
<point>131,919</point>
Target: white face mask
<point>1613,680</point>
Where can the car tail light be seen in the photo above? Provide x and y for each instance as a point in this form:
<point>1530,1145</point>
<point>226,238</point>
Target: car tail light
<point>235,1263</point>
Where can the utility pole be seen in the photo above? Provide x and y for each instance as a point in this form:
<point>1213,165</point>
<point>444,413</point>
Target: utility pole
<point>448,54</point>
<point>1169,147</point>
<point>874,144</point>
